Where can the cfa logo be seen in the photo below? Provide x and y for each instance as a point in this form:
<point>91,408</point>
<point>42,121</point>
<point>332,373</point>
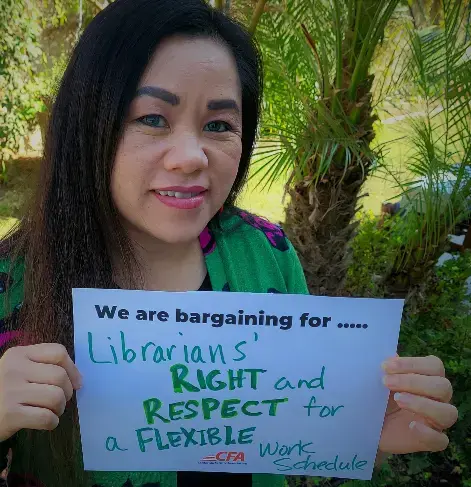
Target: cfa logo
<point>225,457</point>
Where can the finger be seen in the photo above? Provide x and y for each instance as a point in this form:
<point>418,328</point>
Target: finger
<point>430,439</point>
<point>433,387</point>
<point>430,365</point>
<point>43,396</point>
<point>53,375</point>
<point>55,354</point>
<point>34,418</point>
<point>442,414</point>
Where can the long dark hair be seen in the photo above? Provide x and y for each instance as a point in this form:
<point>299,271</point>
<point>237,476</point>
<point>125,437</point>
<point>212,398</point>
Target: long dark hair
<point>64,240</point>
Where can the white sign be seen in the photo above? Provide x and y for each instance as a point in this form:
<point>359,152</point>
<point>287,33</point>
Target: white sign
<point>232,382</point>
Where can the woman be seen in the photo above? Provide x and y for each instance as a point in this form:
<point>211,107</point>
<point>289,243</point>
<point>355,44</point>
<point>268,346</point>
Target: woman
<point>149,144</point>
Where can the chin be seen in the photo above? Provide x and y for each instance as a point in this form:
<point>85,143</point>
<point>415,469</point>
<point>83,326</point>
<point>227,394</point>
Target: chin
<point>174,233</point>
<point>168,230</point>
<point>175,238</point>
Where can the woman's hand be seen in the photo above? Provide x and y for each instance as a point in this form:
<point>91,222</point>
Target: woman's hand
<point>418,408</point>
<point>35,384</point>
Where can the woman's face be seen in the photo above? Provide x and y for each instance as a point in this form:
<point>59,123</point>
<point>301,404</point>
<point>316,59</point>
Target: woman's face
<point>182,141</point>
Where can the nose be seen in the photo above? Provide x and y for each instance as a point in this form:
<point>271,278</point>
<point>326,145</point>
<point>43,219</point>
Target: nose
<point>186,155</point>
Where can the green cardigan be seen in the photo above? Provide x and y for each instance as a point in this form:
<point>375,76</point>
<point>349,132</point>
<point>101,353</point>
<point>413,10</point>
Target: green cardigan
<point>245,254</point>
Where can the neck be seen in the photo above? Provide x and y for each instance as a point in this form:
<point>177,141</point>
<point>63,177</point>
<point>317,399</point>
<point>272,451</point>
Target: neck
<point>163,266</point>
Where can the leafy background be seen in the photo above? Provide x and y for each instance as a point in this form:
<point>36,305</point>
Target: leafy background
<point>404,116</point>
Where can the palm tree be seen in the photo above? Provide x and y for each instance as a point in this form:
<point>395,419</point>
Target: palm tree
<point>439,195</point>
<point>318,123</point>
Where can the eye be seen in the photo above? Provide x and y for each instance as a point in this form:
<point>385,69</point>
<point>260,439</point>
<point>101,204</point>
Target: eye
<point>217,126</point>
<point>154,121</point>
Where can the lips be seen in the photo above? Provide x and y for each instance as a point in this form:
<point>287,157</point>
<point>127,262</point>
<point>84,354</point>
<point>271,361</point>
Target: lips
<point>181,197</point>
<point>183,189</point>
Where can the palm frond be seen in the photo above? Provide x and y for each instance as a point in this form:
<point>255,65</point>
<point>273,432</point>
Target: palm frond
<point>439,193</point>
<point>310,107</point>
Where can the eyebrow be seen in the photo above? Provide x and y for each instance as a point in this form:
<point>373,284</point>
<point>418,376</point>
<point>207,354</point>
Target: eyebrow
<point>160,93</point>
<point>223,105</point>
<point>173,99</point>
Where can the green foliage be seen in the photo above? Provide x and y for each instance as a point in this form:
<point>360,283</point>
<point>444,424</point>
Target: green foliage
<point>440,68</point>
<point>442,326</point>
<point>49,78</point>
<point>439,324</point>
<point>27,78</point>
<point>373,251</point>
<point>19,51</point>
<point>317,108</point>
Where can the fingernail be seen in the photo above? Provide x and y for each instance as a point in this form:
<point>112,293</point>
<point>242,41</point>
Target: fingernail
<point>421,428</point>
<point>390,365</point>
<point>389,380</point>
<point>79,382</point>
<point>400,397</point>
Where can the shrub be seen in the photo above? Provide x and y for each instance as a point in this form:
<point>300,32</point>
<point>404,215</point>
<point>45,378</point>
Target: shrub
<point>439,324</point>
<point>442,326</point>
<point>19,51</point>
<point>373,252</point>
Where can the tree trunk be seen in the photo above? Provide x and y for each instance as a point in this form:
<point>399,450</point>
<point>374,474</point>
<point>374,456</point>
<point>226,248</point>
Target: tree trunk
<point>319,222</point>
<point>320,216</point>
